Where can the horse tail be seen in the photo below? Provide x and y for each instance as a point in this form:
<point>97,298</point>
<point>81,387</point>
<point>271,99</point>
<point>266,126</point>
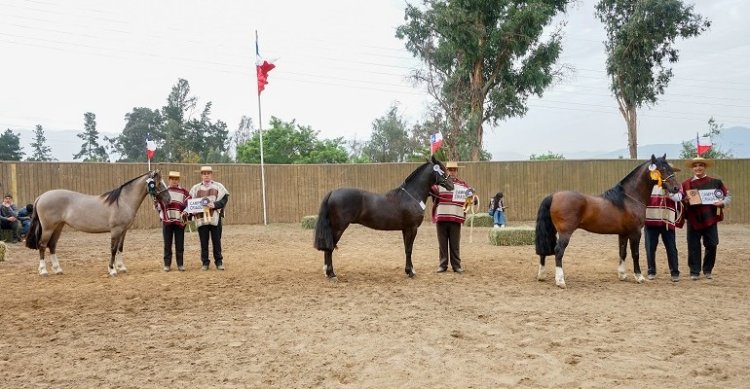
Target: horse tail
<point>35,231</point>
<point>323,239</point>
<point>546,234</point>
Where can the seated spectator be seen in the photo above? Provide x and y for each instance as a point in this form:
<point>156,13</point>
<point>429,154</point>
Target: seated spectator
<point>9,218</point>
<point>24,215</point>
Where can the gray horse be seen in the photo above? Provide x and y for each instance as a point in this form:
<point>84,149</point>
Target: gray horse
<point>112,212</point>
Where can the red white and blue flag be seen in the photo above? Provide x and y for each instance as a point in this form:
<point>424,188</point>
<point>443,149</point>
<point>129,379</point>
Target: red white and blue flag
<point>703,144</point>
<point>262,67</point>
<point>150,147</point>
<point>436,140</point>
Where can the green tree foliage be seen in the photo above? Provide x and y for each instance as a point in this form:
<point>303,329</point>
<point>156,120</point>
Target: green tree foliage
<point>290,143</point>
<point>483,60</point>
<point>690,148</point>
<point>549,156</point>
<point>40,151</point>
<point>186,139</point>
<point>91,150</point>
<point>10,146</point>
<point>131,143</point>
<point>389,140</point>
<point>640,38</point>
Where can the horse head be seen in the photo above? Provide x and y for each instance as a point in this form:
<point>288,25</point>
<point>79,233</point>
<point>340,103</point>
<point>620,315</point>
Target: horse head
<point>663,172</point>
<point>156,187</point>
<point>441,177</point>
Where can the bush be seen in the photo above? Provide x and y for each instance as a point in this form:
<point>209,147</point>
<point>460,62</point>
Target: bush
<point>308,222</point>
<point>512,236</point>
<point>3,250</point>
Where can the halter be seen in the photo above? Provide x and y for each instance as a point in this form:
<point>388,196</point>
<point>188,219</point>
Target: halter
<point>151,185</point>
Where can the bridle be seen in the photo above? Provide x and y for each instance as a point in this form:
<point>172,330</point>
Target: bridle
<point>151,185</point>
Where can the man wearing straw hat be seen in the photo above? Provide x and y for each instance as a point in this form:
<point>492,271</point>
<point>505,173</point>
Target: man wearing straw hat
<point>173,226</point>
<point>215,196</point>
<point>705,199</point>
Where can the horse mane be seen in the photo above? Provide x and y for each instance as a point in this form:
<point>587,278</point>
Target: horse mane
<point>414,173</point>
<point>113,196</point>
<point>616,194</point>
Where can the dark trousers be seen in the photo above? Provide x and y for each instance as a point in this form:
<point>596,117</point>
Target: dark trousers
<point>213,232</point>
<point>710,237</point>
<point>449,241</point>
<point>652,242</point>
<point>13,226</point>
<point>178,233</point>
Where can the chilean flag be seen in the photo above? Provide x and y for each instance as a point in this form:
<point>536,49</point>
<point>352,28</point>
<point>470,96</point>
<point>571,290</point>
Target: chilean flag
<point>703,144</point>
<point>435,141</point>
<point>150,147</point>
<point>262,67</point>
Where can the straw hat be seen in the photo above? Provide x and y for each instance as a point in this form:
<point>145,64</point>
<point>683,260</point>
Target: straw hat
<point>451,165</point>
<point>206,169</point>
<point>174,174</point>
<point>689,163</point>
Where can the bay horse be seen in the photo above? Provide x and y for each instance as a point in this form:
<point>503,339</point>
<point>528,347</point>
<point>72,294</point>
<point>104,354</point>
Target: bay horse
<point>112,212</point>
<point>620,210</point>
<point>399,209</point>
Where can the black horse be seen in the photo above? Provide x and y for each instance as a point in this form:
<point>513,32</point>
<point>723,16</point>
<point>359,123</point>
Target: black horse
<point>399,209</point>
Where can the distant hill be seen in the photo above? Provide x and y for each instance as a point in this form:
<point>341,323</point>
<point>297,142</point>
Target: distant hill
<point>733,140</point>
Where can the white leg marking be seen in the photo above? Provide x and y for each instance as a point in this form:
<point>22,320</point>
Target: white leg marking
<point>540,274</point>
<point>559,277</point>
<point>43,268</point>
<point>639,278</point>
<point>621,271</point>
<point>120,263</point>
<point>55,264</point>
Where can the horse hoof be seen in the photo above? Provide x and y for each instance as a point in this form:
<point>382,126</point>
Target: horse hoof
<point>43,273</point>
<point>639,278</point>
<point>333,279</point>
<point>59,272</point>
<point>561,285</point>
<point>411,274</point>
<point>623,276</point>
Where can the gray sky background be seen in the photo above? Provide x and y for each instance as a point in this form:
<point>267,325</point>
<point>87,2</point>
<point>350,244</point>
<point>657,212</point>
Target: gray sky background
<point>339,67</point>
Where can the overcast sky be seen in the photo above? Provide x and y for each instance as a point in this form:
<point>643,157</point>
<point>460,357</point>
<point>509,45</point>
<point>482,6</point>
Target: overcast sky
<point>339,67</point>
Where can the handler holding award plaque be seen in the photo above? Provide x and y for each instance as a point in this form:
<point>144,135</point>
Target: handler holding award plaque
<point>210,198</point>
<point>705,199</point>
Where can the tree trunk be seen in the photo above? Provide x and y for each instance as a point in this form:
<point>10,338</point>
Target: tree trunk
<point>630,114</point>
<point>632,132</point>
<point>476,111</point>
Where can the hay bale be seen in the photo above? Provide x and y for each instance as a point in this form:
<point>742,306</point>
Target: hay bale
<point>479,220</point>
<point>3,250</point>
<point>512,236</point>
<point>308,222</point>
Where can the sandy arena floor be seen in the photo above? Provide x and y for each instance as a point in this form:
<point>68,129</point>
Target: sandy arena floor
<point>273,320</point>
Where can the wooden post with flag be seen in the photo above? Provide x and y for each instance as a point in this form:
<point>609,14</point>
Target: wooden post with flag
<point>262,67</point>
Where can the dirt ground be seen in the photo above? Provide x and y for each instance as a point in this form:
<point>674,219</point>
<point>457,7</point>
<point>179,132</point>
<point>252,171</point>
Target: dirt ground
<point>273,320</point>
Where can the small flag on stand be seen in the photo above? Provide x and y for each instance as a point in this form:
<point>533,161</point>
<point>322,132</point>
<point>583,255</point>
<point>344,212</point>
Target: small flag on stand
<point>150,147</point>
<point>435,141</point>
<point>262,67</point>
<point>703,144</point>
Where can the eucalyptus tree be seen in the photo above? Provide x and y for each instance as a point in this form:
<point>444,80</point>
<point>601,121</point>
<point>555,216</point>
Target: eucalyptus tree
<point>140,123</point>
<point>641,37</point>
<point>483,60</point>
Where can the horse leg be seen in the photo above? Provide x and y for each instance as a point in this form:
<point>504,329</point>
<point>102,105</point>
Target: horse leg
<point>44,239</point>
<point>635,241</point>
<point>119,258</point>
<point>540,276</point>
<point>53,249</point>
<point>114,246</point>
<point>562,244</point>
<point>409,235</point>
<point>623,246</point>
<point>328,254</point>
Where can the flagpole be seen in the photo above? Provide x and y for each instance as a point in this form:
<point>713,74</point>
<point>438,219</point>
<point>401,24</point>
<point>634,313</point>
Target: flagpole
<point>260,129</point>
